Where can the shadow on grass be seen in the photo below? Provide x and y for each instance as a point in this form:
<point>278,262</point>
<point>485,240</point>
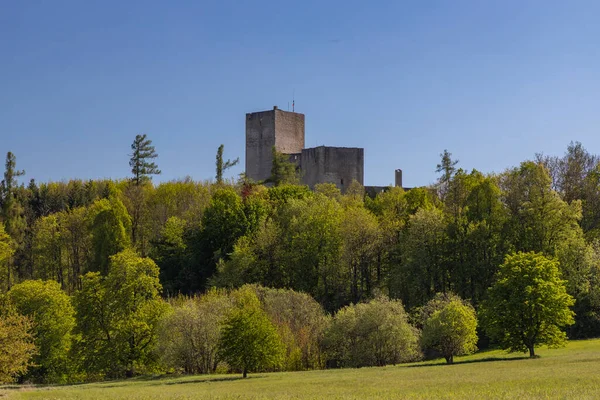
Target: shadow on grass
<point>176,381</point>
<point>152,379</point>
<point>479,360</point>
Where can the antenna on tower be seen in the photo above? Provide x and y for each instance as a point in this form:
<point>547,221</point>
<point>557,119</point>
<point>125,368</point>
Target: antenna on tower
<point>293,100</point>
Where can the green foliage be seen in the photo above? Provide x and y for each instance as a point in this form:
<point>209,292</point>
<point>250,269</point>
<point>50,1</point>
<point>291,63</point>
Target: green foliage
<point>249,341</point>
<point>222,166</point>
<point>17,347</point>
<point>339,249</point>
<point>328,190</point>
<point>447,167</point>
<point>11,207</point>
<point>371,334</point>
<point>539,219</point>
<point>283,171</point>
<point>140,162</point>
<point>362,237</point>
<point>110,225</point>
<point>239,269</point>
<point>422,273</point>
<point>12,214</point>
<point>301,323</point>
<point>118,316</point>
<point>52,314</point>
<point>48,249</point>
<point>528,305</point>
<point>450,327</point>
<point>223,222</point>
<point>6,253</point>
<point>189,335</point>
<point>310,261</point>
<point>281,194</point>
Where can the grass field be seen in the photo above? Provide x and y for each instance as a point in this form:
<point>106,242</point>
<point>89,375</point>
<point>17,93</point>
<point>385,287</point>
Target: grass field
<point>568,373</point>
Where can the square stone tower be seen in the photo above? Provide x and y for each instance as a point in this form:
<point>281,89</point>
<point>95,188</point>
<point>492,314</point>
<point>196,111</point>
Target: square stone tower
<point>265,129</point>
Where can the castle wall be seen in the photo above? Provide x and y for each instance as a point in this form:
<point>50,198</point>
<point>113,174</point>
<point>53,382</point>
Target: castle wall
<point>260,139</point>
<point>282,129</point>
<point>289,132</point>
<point>338,165</point>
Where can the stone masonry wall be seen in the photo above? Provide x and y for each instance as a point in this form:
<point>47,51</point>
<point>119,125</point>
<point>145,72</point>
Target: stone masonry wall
<point>260,138</point>
<point>289,132</point>
<point>282,129</point>
<point>338,165</point>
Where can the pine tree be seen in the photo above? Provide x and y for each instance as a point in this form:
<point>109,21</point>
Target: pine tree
<point>12,210</point>
<point>447,167</point>
<point>140,162</point>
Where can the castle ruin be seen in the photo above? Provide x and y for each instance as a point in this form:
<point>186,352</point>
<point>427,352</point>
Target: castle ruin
<point>322,164</point>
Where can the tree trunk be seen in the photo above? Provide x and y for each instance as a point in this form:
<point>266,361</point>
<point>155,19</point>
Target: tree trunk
<point>449,359</point>
<point>531,352</point>
<point>245,373</point>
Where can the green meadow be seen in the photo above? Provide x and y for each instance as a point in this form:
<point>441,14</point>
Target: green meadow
<point>572,372</point>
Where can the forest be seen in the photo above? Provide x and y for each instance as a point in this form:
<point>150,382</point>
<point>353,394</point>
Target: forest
<point>114,278</point>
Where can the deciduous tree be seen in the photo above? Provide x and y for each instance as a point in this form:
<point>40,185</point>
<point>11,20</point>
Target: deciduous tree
<point>53,319</point>
<point>249,341</point>
<point>528,305</point>
<point>17,346</point>
<point>6,252</point>
<point>450,327</point>
<point>371,334</point>
<point>118,316</point>
<point>189,335</point>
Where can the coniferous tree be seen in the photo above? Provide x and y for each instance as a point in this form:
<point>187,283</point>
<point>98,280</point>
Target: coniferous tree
<point>141,162</point>
<point>447,167</point>
<point>142,167</point>
<point>223,166</point>
<point>282,170</point>
<point>12,210</point>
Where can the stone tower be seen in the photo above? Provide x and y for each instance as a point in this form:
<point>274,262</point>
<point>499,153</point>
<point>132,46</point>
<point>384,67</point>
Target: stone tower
<point>265,129</point>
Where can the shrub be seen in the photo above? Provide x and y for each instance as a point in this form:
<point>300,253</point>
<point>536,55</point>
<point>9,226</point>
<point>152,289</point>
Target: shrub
<point>369,334</point>
<point>449,327</point>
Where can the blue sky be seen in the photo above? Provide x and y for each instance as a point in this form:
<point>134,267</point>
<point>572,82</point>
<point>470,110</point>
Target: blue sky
<point>492,82</point>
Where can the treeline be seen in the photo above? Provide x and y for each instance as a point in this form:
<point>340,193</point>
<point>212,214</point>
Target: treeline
<point>185,237</point>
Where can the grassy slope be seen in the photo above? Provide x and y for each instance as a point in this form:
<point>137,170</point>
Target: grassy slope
<point>572,372</point>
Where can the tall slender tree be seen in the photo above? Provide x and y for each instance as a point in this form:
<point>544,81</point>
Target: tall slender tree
<point>223,166</point>
<point>141,162</point>
<point>142,168</point>
<point>447,167</point>
<point>12,210</point>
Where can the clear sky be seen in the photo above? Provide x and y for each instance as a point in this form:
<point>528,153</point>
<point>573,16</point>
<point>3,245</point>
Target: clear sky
<point>494,82</point>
